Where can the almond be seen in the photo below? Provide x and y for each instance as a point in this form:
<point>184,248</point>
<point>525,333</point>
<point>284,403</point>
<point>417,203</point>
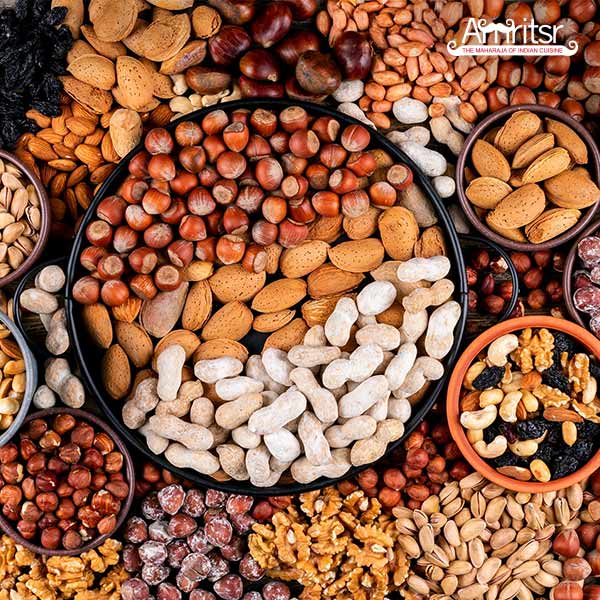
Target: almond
<point>489,161</point>
<point>82,127</point>
<point>288,336</point>
<point>387,271</point>
<point>135,40</point>
<point>41,149</point>
<point>357,256</point>
<point>111,50</point>
<point>572,189</point>
<point>549,164</point>
<point>172,4</point>
<point>522,125</point>
<point>220,347</point>
<point>531,149</point>
<point>135,82</point>
<point>233,282</point>
<point>399,232</point>
<point>125,130</point>
<point>279,295</point>
<point>328,280</point>
<point>89,155</point>
<point>79,48</point>
<point>198,306</point>
<point>188,340</point>
<point>316,312</point>
<point>129,310</point>
<point>303,259</point>
<point>486,192</point>
<point>274,252</point>
<point>116,372</point>
<point>360,228</point>
<point>160,314</point>
<point>568,139</point>
<point>516,235</point>
<point>94,99</point>
<point>233,321</point>
<point>561,415</point>
<point>519,208</point>
<point>113,20</point>
<point>394,315</point>
<point>162,85</point>
<point>94,69</point>
<point>165,37</point>
<point>98,324</point>
<point>269,322</point>
<point>327,229</point>
<point>135,342</point>
<point>551,224</point>
<point>431,243</point>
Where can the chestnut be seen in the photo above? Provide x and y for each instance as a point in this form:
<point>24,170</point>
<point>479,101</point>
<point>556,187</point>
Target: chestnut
<point>354,54</point>
<point>257,89</point>
<point>302,9</point>
<point>206,80</point>
<point>237,12</point>
<point>261,65</point>
<point>317,73</point>
<point>272,24</point>
<point>294,44</point>
<point>228,44</point>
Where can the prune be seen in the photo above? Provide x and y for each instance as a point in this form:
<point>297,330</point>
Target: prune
<point>167,591</point>
<point>136,530</point>
<point>555,379</point>
<point>531,429</point>
<point>242,523</point>
<point>198,542</point>
<point>564,465</point>
<point>234,550</point>
<point>153,553</point>
<point>171,498</point>
<point>182,525</point>
<point>184,583</point>
<point>218,531</point>
<point>193,504</point>
<point>202,595</point>
<point>215,498</point>
<point>151,508</point>
<point>155,574</point>
<point>237,504</point>
<point>488,378</point>
<point>176,552</point>
<point>218,566</point>
<point>131,559</point>
<point>229,587</point>
<point>196,566</point>
<point>275,590</point>
<point>250,569</point>
<point>134,589</point>
<point>159,532</point>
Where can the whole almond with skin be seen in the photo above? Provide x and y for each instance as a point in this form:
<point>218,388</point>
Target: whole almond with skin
<point>269,322</point>
<point>279,295</point>
<point>113,20</point>
<point>568,139</point>
<point>519,208</point>
<point>549,164</point>
<point>221,347</point>
<point>135,342</point>
<point>135,40</point>
<point>172,4</point>
<point>288,336</point>
<point>233,321</point>
<point>572,189</point>
<point>135,82</point>
<point>94,69</point>
<point>116,372</point>
<point>233,282</point>
<point>487,192</point>
<point>431,243</point>
<point>327,229</point>
<point>399,232</point>
<point>111,50</point>
<point>489,161</point>
<point>96,100</point>
<point>328,280</point>
<point>79,48</point>
<point>159,315</point>
<point>303,259</point>
<point>394,315</point>
<point>198,306</point>
<point>561,415</point>
<point>516,235</point>
<point>41,149</point>
<point>522,125</point>
<point>388,270</point>
<point>531,149</point>
<point>125,130</point>
<point>98,324</point>
<point>365,226</point>
<point>357,256</point>
<point>316,312</point>
<point>551,224</point>
<point>165,37</point>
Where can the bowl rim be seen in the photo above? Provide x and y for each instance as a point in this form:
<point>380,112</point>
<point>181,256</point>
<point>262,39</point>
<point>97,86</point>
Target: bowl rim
<point>46,218</point>
<point>31,378</point>
<point>567,278</point>
<point>588,340</point>
<point>424,405</point>
<point>477,133</point>
<point>7,525</point>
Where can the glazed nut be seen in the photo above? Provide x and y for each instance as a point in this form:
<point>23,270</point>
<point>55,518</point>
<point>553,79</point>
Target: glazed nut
<point>79,477</point>
<point>103,443</point>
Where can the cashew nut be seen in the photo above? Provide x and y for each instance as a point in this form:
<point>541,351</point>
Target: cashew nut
<point>500,348</point>
<point>479,419</point>
<point>472,373</point>
<point>495,448</point>
<point>489,397</point>
<point>508,406</point>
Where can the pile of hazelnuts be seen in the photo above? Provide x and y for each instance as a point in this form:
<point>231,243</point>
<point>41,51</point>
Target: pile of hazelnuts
<point>63,483</point>
<point>224,188</point>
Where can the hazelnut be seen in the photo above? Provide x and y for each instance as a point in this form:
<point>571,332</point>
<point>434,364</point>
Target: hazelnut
<point>505,290</point>
<point>70,453</point>
<point>471,276</point>
<point>521,261</point>
<point>480,260</point>
<point>107,525</point>
<point>554,290</point>
<point>576,569</point>
<point>533,278</point>
<point>27,529</point>
<point>66,509</point>
<point>92,459</point>
<point>30,512</point>
<point>493,304</point>
<point>88,516</point>
<point>47,501</point>
<point>417,458</point>
<point>48,520</point>
<point>79,477</point>
<point>83,435</point>
<point>8,453</point>
<point>64,490</point>
<point>56,465</point>
<point>46,481</point>
<point>119,489</point>
<point>105,503</point>
<point>537,299</point>
<point>11,472</point>
<point>472,300</point>
<point>27,448</point>
<point>28,487</point>
<point>36,463</point>
<point>11,495</point>
<point>567,590</point>
<point>50,538</point>
<point>71,540</point>
<point>98,481</point>
<point>80,497</point>
<point>36,429</point>
<point>566,543</point>
<point>487,285</point>
<point>588,532</point>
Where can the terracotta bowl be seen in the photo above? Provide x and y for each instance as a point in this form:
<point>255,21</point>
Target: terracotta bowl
<point>569,268</point>
<point>46,218</point>
<point>8,526</point>
<point>464,159</point>
<point>585,338</point>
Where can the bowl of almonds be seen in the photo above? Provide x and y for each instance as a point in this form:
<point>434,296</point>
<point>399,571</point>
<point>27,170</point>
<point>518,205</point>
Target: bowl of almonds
<point>523,407</point>
<point>24,218</point>
<point>527,177</point>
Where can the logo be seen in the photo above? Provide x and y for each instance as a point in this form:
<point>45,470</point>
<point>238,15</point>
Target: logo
<point>482,37</point>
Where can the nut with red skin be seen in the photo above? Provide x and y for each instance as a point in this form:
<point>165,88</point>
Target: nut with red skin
<point>158,141</point>
<point>304,143</point>
<point>167,278</point>
<point>230,249</point>
<point>264,122</point>
<point>213,146</point>
<point>28,448</point>
<point>505,290</point>
<point>493,304</point>
<point>332,156</point>
<point>79,477</point>
<point>70,453</point>
<point>8,453</point>
<point>71,540</point>
<point>235,220</point>
<point>537,299</point>
<point>487,285</point>
<point>192,228</point>
<point>294,187</point>
<point>280,142</point>
<point>480,260</point>
<point>471,276</point>
<point>137,218</point>
<point>156,202</point>
<point>11,495</point>
<point>326,203</point>
<point>143,286</point>
<point>107,525</point>
<point>119,489</point>
<point>192,158</point>
<point>91,255</point>
<point>214,122</point>
<point>82,435</point>
<point>355,204</point>
<point>231,165</point>
<point>66,509</point>
<point>264,233</point>
<point>255,259</point>
<point>99,233</point>
<point>111,267</point>
<point>143,260</point>
<point>257,147</point>
<point>554,291</point>
<point>105,503</point>
<point>158,235</point>
<point>188,133</point>
<point>382,194</point>
<point>113,462</point>
<point>47,501</point>
<point>125,240</point>
<point>49,441</point>
<point>268,173</point>
<point>400,176</point>
<point>206,249</point>
<point>301,211</point>
<point>162,168</point>
<point>291,234</point>
<point>27,529</point>
<point>362,164</point>
<point>225,191</point>
<point>236,136</point>
<point>98,481</point>
<point>183,183</point>
<point>250,198</point>
<point>355,138</point>
<point>114,293</point>
<point>200,202</point>
<point>342,181</point>
<point>138,165</point>
<point>181,253</point>
<point>112,210</point>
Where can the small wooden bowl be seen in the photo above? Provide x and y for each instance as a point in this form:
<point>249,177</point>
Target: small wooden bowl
<point>46,218</point>
<point>589,341</point>
<point>479,132</point>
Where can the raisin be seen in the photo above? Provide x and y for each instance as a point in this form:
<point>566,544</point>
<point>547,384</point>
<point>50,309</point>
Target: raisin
<point>564,465</point>
<point>194,505</point>
<point>167,591</point>
<point>555,379</point>
<point>155,574</point>
<point>136,530</point>
<point>489,433</point>
<point>218,531</point>
<point>545,452</point>
<point>564,343</point>
<point>531,429</point>
<point>508,459</point>
<point>582,450</point>
<point>159,532</point>
<point>238,505</point>
<point>508,431</point>
<point>488,378</point>
<point>595,370</point>
<point>229,587</point>
<point>250,569</point>
<point>176,552</point>
<point>134,589</point>
<point>153,553</point>
<point>171,498</point>
<point>215,498</point>
<point>182,525</point>
<point>275,590</point>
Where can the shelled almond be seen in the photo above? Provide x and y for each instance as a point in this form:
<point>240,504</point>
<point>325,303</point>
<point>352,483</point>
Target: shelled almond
<point>529,179</point>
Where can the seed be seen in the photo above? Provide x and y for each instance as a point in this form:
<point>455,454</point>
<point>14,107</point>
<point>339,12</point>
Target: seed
<point>561,510</point>
<point>546,533</point>
<point>467,579</point>
<point>472,481</point>
<point>527,569</point>
<point>477,553</point>
<point>449,584</point>
<point>575,496</point>
<point>506,550</point>
<point>554,567</point>
<point>409,545</point>
<point>438,520</point>
<point>492,593</point>
<point>524,535</point>
<point>546,579</point>
<point>502,574</point>
<point>510,590</point>
<point>502,537</point>
<point>534,586</point>
<point>453,507</point>
<point>434,572</point>
<point>492,490</point>
<point>488,569</point>
<point>514,508</point>
<point>418,585</point>
<point>459,567</point>
<point>534,517</point>
<point>462,551</point>
<point>523,497</point>
<point>431,505</point>
<point>402,512</point>
<point>449,493</point>
<point>471,529</point>
<point>420,518</point>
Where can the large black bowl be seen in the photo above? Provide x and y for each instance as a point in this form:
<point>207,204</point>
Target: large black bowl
<point>89,356</point>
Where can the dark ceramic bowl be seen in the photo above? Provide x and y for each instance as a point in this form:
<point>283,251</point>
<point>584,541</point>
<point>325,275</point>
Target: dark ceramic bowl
<point>464,160</point>
<point>8,527</point>
<point>569,269</point>
<point>89,356</point>
<point>46,217</point>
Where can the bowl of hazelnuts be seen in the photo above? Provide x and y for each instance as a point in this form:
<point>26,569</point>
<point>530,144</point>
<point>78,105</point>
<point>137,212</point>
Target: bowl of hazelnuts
<point>67,482</point>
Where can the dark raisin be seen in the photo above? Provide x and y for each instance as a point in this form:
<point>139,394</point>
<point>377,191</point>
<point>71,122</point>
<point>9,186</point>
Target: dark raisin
<point>546,453</point>
<point>564,465</point>
<point>564,343</point>
<point>594,370</point>
<point>489,433</point>
<point>508,431</point>
<point>508,459</point>
<point>555,379</point>
<point>531,429</point>
<point>488,378</point>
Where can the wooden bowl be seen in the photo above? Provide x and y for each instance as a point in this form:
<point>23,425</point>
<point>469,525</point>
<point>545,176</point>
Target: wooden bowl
<point>585,338</point>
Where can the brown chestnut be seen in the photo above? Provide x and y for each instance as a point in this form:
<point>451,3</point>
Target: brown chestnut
<point>261,65</point>
<point>271,24</point>
<point>318,73</point>
<point>294,44</point>
<point>354,54</point>
<point>229,43</point>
